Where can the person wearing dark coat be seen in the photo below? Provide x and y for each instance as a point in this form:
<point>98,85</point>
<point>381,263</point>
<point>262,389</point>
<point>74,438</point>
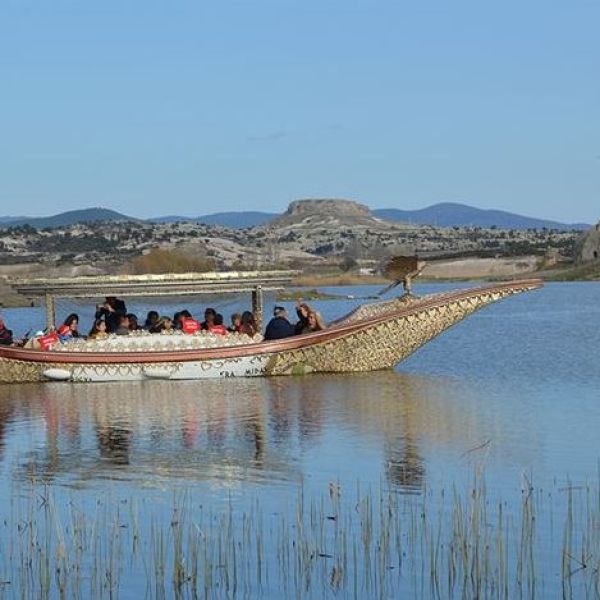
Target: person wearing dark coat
<point>152,319</point>
<point>279,327</point>
<point>6,335</point>
<point>111,311</point>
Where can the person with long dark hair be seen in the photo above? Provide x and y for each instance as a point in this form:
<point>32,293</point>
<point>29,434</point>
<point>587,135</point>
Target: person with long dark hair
<point>302,310</point>
<point>70,328</point>
<point>98,330</point>
<point>248,325</point>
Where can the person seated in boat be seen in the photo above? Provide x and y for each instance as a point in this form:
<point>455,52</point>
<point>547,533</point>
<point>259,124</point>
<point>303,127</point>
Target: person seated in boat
<point>133,322</point>
<point>190,326</point>
<point>6,335</point>
<point>98,331</point>
<point>111,311</point>
<point>152,319</point>
<point>314,322</point>
<point>176,320</point>
<point>248,325</point>
<point>163,324</point>
<point>279,326</point>
<point>217,327</point>
<point>209,319</point>
<point>236,323</point>
<point>70,328</point>
<point>302,310</point>
<point>122,326</point>
<point>179,317</point>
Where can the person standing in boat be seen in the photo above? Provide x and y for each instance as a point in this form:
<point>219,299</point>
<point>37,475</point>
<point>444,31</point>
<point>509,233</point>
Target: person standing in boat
<point>6,335</point>
<point>111,311</point>
<point>279,326</point>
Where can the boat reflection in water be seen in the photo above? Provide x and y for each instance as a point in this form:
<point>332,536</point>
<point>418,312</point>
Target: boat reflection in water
<point>263,431</point>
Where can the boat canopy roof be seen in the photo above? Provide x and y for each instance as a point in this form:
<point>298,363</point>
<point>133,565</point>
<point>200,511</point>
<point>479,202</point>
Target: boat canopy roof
<point>171,284</point>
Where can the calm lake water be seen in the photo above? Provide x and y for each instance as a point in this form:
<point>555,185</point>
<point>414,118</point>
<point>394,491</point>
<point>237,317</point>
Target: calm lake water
<point>507,402</point>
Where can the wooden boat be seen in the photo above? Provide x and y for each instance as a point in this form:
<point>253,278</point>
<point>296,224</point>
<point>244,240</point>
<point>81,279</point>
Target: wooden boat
<point>374,336</point>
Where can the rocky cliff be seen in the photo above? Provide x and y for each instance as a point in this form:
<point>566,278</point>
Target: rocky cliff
<point>588,248</point>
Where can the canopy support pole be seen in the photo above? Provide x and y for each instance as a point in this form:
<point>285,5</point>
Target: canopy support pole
<point>257,306</point>
<point>50,311</point>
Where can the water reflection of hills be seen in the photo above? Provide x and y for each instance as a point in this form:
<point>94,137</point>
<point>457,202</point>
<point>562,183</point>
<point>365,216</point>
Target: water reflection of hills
<point>231,431</point>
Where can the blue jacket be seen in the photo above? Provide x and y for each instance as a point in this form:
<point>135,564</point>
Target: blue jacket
<point>279,328</point>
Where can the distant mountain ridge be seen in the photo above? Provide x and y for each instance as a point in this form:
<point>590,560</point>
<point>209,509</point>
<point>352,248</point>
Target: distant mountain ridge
<point>446,214</point>
<point>234,219</point>
<point>71,217</point>
<point>452,214</point>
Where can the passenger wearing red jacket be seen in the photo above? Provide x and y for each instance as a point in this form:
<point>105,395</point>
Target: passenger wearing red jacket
<point>190,325</point>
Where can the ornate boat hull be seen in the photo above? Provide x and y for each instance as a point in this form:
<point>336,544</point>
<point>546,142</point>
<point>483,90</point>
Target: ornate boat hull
<point>374,336</point>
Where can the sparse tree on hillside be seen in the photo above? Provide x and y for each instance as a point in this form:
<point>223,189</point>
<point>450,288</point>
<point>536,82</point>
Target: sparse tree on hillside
<point>170,261</point>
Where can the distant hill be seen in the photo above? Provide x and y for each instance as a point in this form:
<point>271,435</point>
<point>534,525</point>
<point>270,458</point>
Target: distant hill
<point>87,215</point>
<point>446,214</point>
<point>235,220</point>
<point>451,214</point>
<point>10,220</point>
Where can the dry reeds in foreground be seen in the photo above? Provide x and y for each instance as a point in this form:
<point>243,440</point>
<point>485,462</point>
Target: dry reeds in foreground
<point>352,543</point>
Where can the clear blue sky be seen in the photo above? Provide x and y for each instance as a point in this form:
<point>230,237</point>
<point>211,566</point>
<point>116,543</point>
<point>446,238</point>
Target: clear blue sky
<point>194,107</point>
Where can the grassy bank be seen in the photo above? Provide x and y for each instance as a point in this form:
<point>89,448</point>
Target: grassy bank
<point>306,294</point>
<point>588,272</point>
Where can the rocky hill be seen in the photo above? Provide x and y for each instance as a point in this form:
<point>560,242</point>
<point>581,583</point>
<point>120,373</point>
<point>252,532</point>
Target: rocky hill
<point>329,213</point>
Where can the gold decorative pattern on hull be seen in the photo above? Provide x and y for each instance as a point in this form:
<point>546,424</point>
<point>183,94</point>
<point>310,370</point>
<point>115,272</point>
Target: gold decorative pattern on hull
<point>383,345</point>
